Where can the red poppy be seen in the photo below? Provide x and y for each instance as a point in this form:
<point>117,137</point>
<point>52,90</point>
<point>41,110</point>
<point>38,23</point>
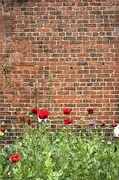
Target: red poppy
<point>90,111</point>
<point>42,114</point>
<point>15,157</point>
<point>22,118</point>
<point>29,121</point>
<point>68,121</point>
<point>113,125</point>
<point>79,126</point>
<point>2,129</point>
<point>5,148</point>
<point>54,157</point>
<point>67,110</point>
<point>103,123</point>
<point>34,111</point>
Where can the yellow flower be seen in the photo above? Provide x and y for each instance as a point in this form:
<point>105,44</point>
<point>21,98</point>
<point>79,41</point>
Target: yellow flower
<point>1,133</point>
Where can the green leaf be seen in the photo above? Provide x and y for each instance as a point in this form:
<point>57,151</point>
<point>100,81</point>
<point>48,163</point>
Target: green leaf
<point>6,170</point>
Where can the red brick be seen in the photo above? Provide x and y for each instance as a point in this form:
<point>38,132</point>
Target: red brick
<point>76,42</point>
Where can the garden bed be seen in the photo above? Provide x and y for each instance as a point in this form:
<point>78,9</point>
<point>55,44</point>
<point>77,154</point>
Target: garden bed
<point>46,155</point>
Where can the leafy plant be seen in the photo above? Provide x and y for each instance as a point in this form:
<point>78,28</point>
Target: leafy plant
<point>63,154</point>
<point>59,155</point>
<point>5,69</point>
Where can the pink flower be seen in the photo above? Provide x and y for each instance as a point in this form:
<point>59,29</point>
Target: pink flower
<point>90,111</point>
<point>68,121</point>
<point>67,110</point>
<point>93,123</point>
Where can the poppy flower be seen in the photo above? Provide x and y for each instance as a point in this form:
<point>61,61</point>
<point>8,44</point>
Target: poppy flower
<point>34,111</point>
<point>79,126</point>
<point>93,123</point>
<point>15,157</point>
<point>22,118</point>
<point>90,111</point>
<point>67,110</point>
<point>42,115</point>
<point>113,125</point>
<point>29,121</point>
<point>68,121</point>
<point>2,129</point>
<point>103,123</point>
<point>5,148</point>
<point>54,157</point>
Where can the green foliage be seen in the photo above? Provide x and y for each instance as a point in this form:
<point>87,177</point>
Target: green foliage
<point>63,155</point>
<point>5,69</point>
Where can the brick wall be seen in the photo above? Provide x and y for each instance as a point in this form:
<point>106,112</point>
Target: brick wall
<point>75,42</point>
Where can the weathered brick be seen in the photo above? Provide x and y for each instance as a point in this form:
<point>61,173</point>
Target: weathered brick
<point>76,42</point>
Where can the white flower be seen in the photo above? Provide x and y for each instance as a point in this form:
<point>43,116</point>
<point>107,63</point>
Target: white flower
<point>109,143</point>
<point>3,123</point>
<point>42,120</point>
<point>116,131</point>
